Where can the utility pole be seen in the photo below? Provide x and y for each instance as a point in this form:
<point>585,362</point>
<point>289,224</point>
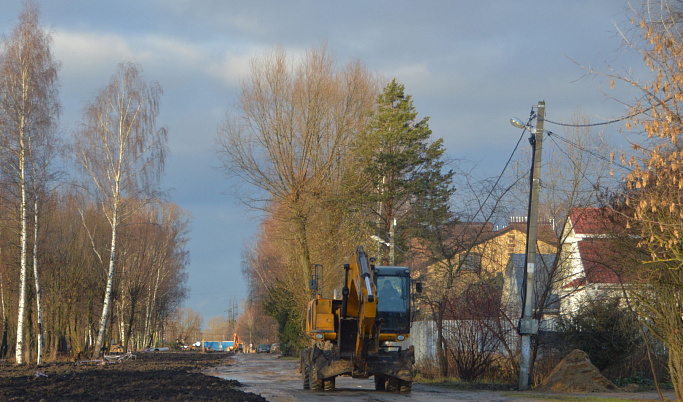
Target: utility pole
<point>528,325</point>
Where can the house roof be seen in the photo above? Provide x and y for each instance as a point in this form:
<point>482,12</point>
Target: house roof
<point>598,248</point>
<point>545,231</point>
<point>598,257</point>
<point>602,264</point>
<point>470,231</point>
<point>589,221</point>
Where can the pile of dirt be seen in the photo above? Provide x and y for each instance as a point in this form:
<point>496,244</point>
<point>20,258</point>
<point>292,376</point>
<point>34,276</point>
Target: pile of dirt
<point>149,376</point>
<point>576,373</point>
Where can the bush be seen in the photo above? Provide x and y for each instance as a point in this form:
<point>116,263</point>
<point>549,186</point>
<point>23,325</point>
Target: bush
<point>607,332</point>
<point>289,319</point>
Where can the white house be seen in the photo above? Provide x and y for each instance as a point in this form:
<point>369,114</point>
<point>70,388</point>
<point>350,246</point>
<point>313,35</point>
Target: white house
<point>592,265</point>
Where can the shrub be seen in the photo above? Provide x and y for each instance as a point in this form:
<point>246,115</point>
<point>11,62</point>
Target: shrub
<point>607,332</point>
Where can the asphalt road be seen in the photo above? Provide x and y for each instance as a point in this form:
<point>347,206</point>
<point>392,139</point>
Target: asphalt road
<point>278,379</point>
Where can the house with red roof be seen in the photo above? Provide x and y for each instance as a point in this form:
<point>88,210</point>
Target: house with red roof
<point>593,265</point>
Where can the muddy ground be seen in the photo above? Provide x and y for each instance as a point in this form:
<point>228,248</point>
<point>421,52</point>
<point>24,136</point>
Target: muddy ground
<point>150,376</point>
<point>279,380</point>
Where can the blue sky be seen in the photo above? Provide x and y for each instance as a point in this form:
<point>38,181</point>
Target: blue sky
<point>470,66</point>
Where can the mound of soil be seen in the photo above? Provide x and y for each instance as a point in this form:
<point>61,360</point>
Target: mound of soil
<point>576,373</point>
<point>150,376</point>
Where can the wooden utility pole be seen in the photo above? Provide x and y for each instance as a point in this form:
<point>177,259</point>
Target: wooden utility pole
<point>528,325</point>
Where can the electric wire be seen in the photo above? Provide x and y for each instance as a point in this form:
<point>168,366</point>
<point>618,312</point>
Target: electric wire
<point>581,171</point>
<point>553,135</point>
<point>604,123</point>
<point>506,166</point>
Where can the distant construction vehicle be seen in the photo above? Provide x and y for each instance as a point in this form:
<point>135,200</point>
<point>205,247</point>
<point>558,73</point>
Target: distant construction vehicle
<point>351,336</point>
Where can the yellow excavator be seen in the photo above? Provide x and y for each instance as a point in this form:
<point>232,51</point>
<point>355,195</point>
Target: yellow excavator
<point>353,336</point>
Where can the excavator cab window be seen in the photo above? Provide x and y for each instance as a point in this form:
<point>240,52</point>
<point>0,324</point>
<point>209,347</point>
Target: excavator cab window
<point>393,302</point>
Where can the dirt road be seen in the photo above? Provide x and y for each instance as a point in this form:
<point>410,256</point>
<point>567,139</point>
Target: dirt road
<point>279,380</point>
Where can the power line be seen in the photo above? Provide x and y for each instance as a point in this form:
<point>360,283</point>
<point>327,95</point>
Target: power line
<point>617,120</point>
<point>590,124</point>
<point>602,157</point>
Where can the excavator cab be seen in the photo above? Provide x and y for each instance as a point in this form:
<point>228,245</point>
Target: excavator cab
<point>393,304</point>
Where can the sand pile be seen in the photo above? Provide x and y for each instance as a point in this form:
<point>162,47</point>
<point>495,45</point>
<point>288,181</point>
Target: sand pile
<point>576,373</point>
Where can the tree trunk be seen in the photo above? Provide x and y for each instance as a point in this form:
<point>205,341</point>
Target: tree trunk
<point>5,321</point>
<point>303,244</point>
<point>19,353</point>
<point>99,344</point>
<point>148,311</point>
<point>39,311</point>
<point>441,342</point>
<point>129,330</point>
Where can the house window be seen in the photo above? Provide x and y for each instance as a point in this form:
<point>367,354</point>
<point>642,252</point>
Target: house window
<point>470,262</point>
<point>511,243</point>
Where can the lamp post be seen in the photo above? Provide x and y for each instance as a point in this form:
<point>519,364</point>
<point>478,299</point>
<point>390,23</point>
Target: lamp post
<point>528,325</point>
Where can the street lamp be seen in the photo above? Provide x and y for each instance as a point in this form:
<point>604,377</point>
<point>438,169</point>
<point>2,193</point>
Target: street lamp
<point>517,123</point>
<point>527,324</point>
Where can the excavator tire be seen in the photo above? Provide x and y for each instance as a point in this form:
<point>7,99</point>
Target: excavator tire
<point>393,384</point>
<point>328,384</point>
<point>406,387</point>
<point>380,382</point>
<point>316,384</point>
<point>305,370</point>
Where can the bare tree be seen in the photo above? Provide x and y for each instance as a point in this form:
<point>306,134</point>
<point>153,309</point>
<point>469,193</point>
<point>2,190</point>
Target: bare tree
<point>295,124</point>
<point>29,110</point>
<point>122,152</point>
<point>168,262</point>
<point>186,326</point>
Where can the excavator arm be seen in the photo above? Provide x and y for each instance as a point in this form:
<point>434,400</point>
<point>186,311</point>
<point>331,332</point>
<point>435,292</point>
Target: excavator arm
<point>359,301</point>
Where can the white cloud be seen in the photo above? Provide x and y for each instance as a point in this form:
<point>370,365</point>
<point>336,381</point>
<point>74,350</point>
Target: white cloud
<point>232,67</point>
<point>89,52</point>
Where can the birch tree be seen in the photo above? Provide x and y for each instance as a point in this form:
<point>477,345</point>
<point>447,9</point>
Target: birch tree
<point>121,153</point>
<point>29,110</point>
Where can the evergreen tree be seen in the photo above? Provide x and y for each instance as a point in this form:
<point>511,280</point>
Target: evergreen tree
<point>401,168</point>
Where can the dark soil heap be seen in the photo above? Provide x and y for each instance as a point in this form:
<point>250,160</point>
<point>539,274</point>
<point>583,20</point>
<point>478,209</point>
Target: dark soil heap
<point>576,373</point>
<point>151,376</point>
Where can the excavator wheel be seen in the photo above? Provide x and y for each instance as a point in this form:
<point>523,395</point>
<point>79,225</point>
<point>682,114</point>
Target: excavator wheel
<point>328,384</point>
<point>305,370</point>
<point>393,384</point>
<point>380,382</point>
<point>406,387</point>
<point>315,383</point>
